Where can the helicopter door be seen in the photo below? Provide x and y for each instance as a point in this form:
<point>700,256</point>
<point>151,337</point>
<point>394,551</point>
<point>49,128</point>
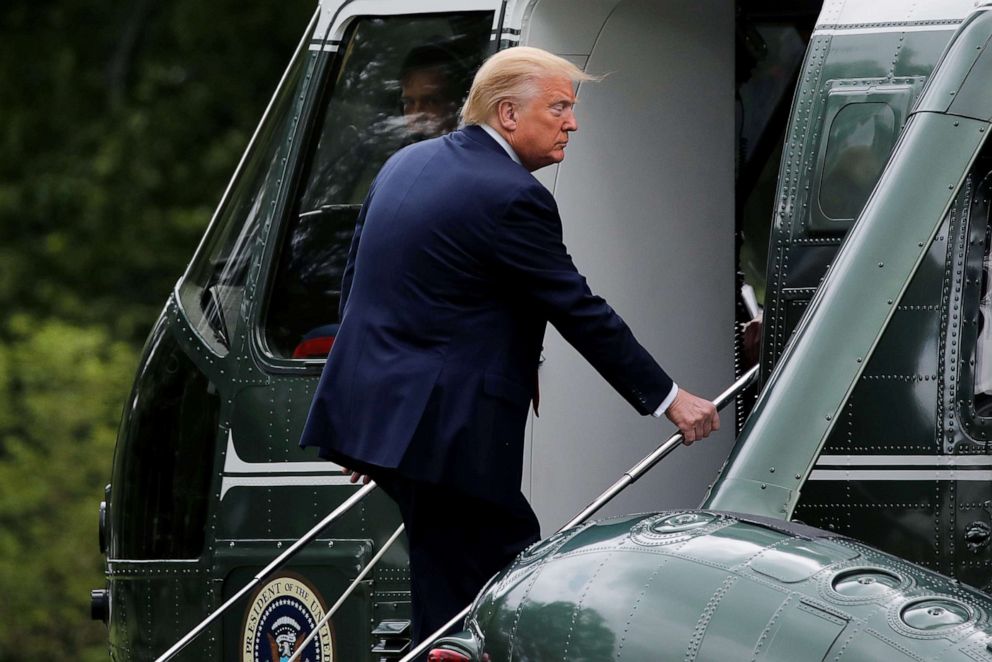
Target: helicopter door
<point>388,80</point>
<point>917,484</point>
<point>400,79</point>
<point>969,520</point>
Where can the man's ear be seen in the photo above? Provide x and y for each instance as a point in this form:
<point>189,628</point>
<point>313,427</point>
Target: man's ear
<point>506,114</point>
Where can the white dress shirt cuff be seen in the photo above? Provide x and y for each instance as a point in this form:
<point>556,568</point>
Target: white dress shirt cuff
<point>667,401</point>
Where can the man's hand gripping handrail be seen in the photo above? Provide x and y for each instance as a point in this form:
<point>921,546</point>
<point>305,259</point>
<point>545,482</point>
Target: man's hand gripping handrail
<point>626,479</point>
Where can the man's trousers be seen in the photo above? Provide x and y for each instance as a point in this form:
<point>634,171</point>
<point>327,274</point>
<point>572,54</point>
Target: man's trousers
<point>456,542</point>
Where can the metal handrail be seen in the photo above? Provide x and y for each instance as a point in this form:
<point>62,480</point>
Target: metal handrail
<point>629,476</point>
<point>269,569</point>
<point>348,591</point>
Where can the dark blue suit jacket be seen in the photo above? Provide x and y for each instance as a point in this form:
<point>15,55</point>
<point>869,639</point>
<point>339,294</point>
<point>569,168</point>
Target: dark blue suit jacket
<point>456,266</point>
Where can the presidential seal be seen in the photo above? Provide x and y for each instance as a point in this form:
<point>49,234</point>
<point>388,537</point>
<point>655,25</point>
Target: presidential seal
<point>282,614</point>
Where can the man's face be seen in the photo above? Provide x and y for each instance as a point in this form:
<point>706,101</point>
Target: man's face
<point>543,124</point>
<point>427,110</point>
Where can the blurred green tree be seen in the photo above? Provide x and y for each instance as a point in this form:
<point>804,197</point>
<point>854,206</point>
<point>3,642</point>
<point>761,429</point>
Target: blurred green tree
<point>61,387</point>
<point>122,124</point>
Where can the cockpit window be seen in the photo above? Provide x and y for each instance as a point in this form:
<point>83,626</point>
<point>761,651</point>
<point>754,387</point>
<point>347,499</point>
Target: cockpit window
<point>400,79</point>
<point>212,289</point>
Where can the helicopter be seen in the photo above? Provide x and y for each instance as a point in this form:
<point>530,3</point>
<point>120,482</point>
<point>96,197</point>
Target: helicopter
<point>208,483</point>
<point>870,425</point>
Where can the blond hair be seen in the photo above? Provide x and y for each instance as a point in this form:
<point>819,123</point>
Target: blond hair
<point>512,74</point>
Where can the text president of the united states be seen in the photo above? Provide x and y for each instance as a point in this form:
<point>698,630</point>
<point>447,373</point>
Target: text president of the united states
<point>456,267</point>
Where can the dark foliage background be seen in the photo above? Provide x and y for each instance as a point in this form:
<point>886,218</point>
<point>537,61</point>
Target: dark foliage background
<point>121,124</point>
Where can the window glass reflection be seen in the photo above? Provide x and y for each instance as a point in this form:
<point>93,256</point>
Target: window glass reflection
<point>859,142</point>
<point>400,80</point>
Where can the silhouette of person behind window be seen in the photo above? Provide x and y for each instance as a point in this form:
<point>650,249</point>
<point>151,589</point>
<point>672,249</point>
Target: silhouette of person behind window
<point>432,84</point>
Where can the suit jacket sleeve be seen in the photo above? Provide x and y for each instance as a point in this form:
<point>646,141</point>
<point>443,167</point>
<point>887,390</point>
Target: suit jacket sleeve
<point>535,264</point>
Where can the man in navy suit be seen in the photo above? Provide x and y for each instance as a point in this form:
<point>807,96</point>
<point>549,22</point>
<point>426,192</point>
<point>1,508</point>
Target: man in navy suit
<point>456,266</point>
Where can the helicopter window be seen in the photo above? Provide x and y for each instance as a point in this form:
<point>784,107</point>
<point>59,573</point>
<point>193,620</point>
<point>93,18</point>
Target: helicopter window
<point>165,469</point>
<point>862,121</point>
<point>858,145</point>
<point>212,288</point>
<point>401,79</point>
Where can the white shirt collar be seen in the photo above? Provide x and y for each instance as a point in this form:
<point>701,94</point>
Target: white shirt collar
<point>494,134</point>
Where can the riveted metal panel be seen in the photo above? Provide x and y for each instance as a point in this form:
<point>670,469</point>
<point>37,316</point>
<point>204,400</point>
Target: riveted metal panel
<point>798,407</point>
<point>797,560</point>
<point>970,43</point>
<point>903,514</point>
<point>926,289</point>
<point>974,99</point>
<point>735,546</point>
<point>908,398</point>
<point>880,12</point>
<point>153,608</point>
<point>909,349</point>
<point>799,255</point>
<point>802,634</point>
<point>617,601</point>
<point>735,619</point>
<point>806,265</point>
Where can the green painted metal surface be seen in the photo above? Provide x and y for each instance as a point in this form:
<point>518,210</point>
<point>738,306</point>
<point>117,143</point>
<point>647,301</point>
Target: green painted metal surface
<point>870,424</point>
<point>804,396</point>
<point>720,587</point>
<point>970,46</point>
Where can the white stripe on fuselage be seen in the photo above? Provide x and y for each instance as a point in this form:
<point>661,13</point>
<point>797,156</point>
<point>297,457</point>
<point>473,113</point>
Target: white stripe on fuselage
<point>227,482</point>
<point>845,31</point>
<point>928,475</point>
<point>937,467</point>
<point>905,460</point>
<point>239,473</point>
